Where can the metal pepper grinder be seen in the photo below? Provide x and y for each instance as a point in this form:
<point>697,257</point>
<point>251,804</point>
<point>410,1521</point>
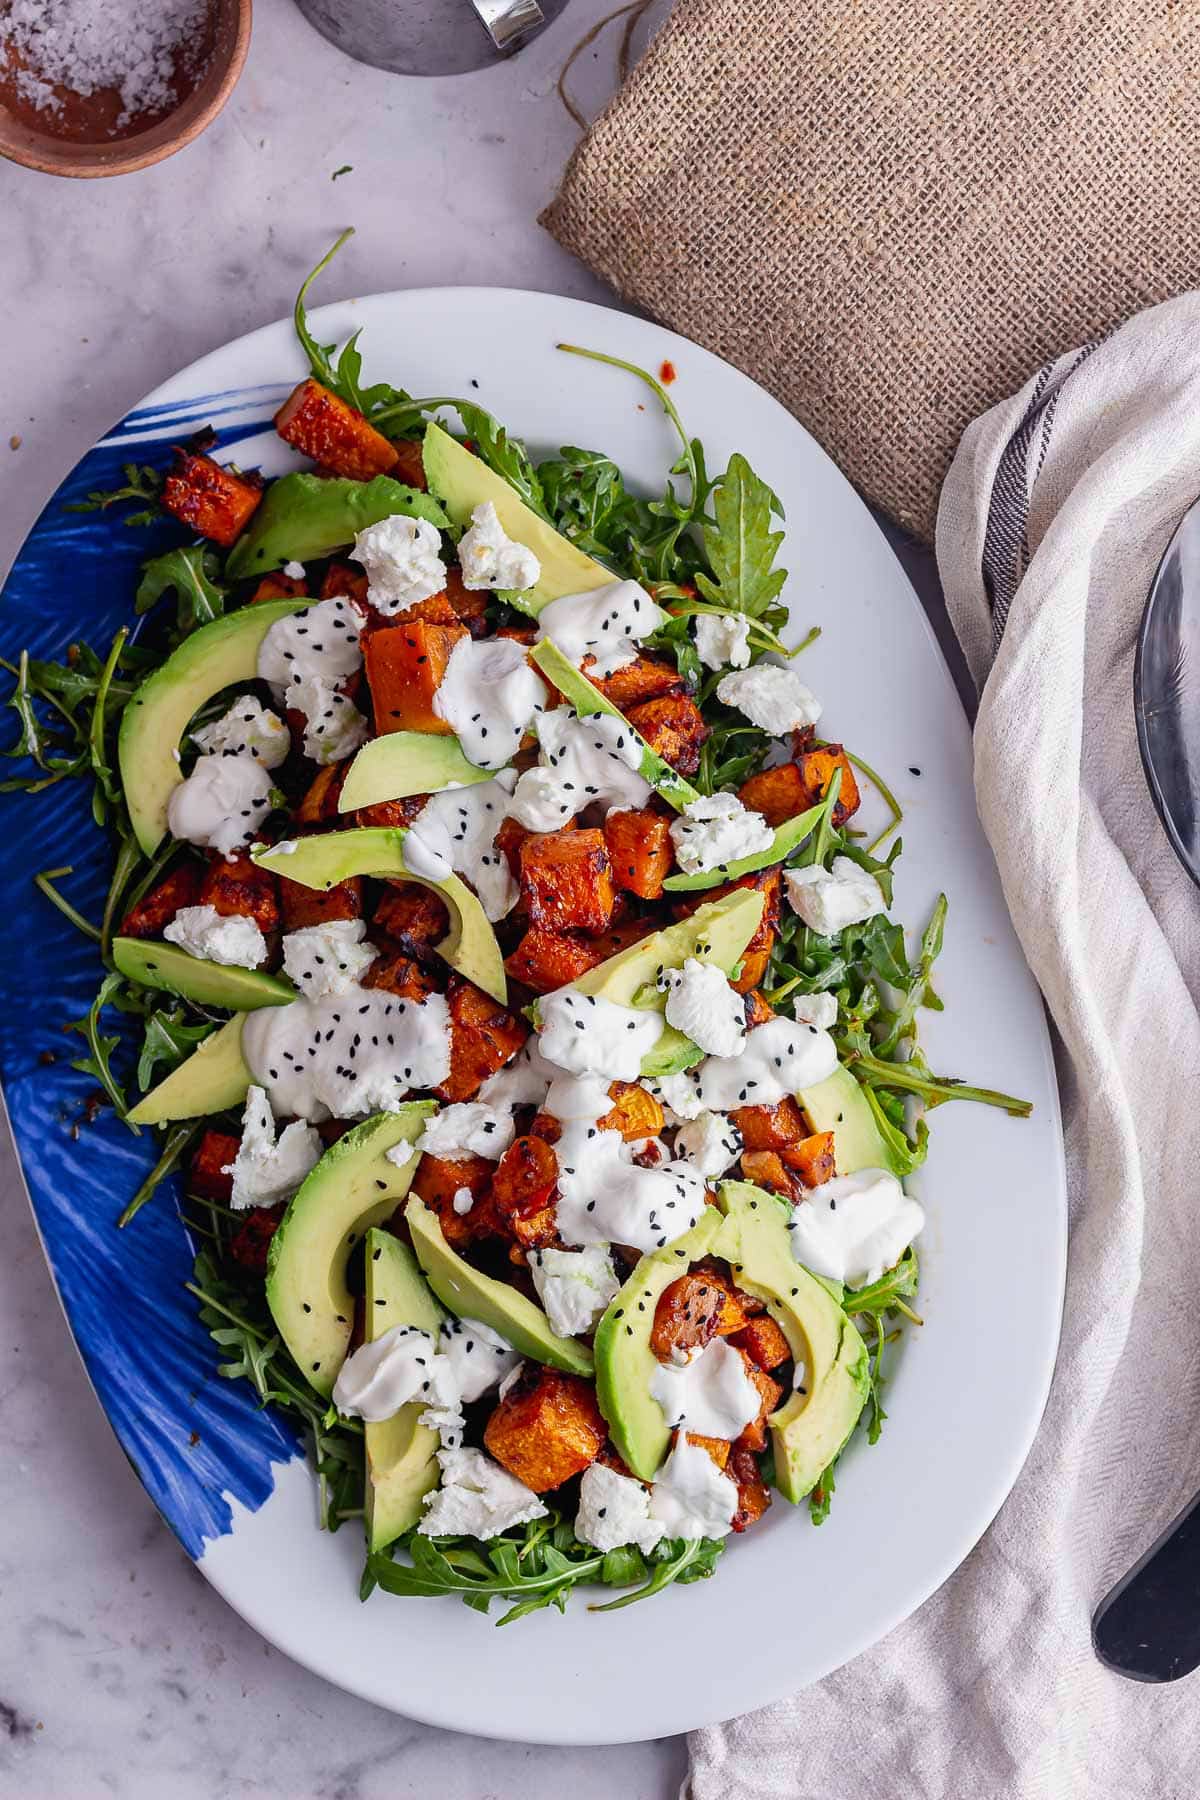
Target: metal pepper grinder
<point>430,37</point>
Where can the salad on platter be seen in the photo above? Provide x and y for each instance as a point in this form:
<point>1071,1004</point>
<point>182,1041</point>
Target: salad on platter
<point>513,985</point>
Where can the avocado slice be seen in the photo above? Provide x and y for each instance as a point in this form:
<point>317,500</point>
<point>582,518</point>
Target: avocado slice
<point>213,1078</point>
<point>401,1452</point>
<point>625,1362</point>
<point>716,932</point>
<point>401,763</point>
<point>321,862</point>
<point>809,1429</point>
<point>838,1104</point>
<point>462,482</point>
<point>587,700</point>
<point>788,837</point>
<point>168,967</point>
<point>472,1295</point>
<point>353,1187</point>
<point>154,721</point>
<point>304,515</point>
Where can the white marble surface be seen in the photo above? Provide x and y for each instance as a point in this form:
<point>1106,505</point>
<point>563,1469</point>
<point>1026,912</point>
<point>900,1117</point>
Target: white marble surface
<point>121,1672</point>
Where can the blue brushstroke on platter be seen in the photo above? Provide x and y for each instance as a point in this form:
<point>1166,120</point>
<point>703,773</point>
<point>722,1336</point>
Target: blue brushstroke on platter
<point>193,1438</point>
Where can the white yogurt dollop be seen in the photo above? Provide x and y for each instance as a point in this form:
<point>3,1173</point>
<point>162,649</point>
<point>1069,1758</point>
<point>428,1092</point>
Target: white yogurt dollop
<point>222,804</point>
<point>854,1227</point>
<point>489,695</point>
<point>583,762</point>
<point>710,1394</point>
<point>607,623</point>
<point>778,1059</point>
<point>347,1054</point>
<point>691,1496</point>
<point>456,831</point>
<point>588,1035</point>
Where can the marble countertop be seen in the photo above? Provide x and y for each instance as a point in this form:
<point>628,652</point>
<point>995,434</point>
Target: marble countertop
<point>121,1672</point>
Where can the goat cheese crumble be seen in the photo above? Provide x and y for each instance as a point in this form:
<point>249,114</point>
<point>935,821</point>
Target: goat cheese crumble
<point>469,1128</point>
<point>717,829</point>
<point>722,640</point>
<point>231,939</point>
<point>328,958</point>
<point>828,900</point>
<point>248,728</point>
<point>489,558</point>
<point>614,1509</point>
<point>773,698</point>
<point>402,558</point>
<point>574,1286</point>
<point>607,624</point>
<point>854,1227</point>
<point>701,1004</point>
<point>477,1498</point>
<point>266,1172</point>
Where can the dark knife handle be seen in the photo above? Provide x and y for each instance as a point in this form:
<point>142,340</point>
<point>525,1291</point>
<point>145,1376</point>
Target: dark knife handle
<point>1148,1627</point>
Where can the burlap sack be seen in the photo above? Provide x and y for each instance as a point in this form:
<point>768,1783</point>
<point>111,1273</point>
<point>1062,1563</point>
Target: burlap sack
<point>888,211</point>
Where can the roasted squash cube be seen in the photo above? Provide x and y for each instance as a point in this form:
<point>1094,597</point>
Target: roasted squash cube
<point>758,1010</point>
<point>645,678</point>
<point>547,1429</point>
<point>319,802</point>
<point>635,1112</point>
<point>214,1154</point>
<point>316,906</point>
<point>817,768</point>
<point>525,1178</point>
<point>483,1036</point>
<point>771,1127</point>
<point>250,1244</point>
<point>438,1181</point>
<point>812,1159</point>
<point>717,1448</point>
<point>234,884</point>
<point>766,1169</point>
<point>754,1496</point>
<point>414,917</point>
<point>409,466</point>
<point>674,727</point>
<point>278,587</point>
<point>405,665</point>
<point>754,1436</point>
<point>337,436</point>
<point>778,794</point>
<point>213,501</point>
<point>640,850</point>
<point>344,582</point>
<point>566,881</point>
<point>699,1306</point>
<point>390,814</point>
<point>545,960</point>
<point>399,974</point>
<point>763,1341</point>
<point>154,912</point>
<point>753,970</point>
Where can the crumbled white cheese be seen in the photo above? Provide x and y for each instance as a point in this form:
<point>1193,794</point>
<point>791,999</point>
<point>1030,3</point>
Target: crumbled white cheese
<point>606,624</point>
<point>489,558</point>
<point>402,1365</point>
<point>247,728</point>
<point>779,1058</point>
<point>348,1054</point>
<point>477,1498</point>
<point>588,1035</point>
<point>328,958</point>
<point>402,558</point>
<point>479,1356</point>
<point>716,830</point>
<point>678,1095</point>
<point>333,726</point>
<point>854,1227</point>
<point>319,643</point>
<point>470,1128</point>
<point>828,900</point>
<point>583,762</point>
<point>710,1394</point>
<point>692,1497</point>
<point>710,1142</point>
<point>222,804</point>
<point>723,640</point>
<point>265,1172</point>
<point>614,1509</point>
<point>294,571</point>
<point>574,1286</point>
<point>820,1010</point>
<point>773,698</point>
<point>701,1004</point>
<point>228,938</point>
<point>456,830</point>
<point>462,1202</point>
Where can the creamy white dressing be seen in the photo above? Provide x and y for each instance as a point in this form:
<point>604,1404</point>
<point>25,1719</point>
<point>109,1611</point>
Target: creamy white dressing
<point>403,562</point>
<point>469,1128</point>
<point>828,900</point>
<point>333,726</point>
<point>778,1059</point>
<point>773,698</point>
<point>588,1035</point>
<point>222,804</point>
<point>347,1054</point>
<point>231,939</point>
<point>710,1394</point>
<point>319,643</point>
<point>479,1356</point>
<point>489,695</point>
<point>691,1496</point>
<point>607,623</point>
<point>266,1172</point>
<point>614,1509</point>
<point>702,1004</point>
<point>582,762</point>
<point>605,1198</point>
<point>328,958</point>
<point>715,830</point>
<point>854,1227</point>
<point>247,728</point>
<point>522,1082</point>
<point>456,831</point>
<point>574,1286</point>
<point>489,558</point>
<point>380,1377</point>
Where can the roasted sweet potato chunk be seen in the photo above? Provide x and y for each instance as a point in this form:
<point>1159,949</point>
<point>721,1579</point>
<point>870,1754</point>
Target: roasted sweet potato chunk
<point>438,1180</point>
<point>415,917</point>
<point>566,881</point>
<point>211,500</point>
<point>645,678</point>
<point>771,1127</point>
<point>754,1437</point>
<point>250,1244</point>
<point>344,582</point>
<point>763,1341</point>
<point>319,802</point>
<point>674,727</point>
<point>234,884</point>
<point>483,1036</point>
<point>767,1169</point>
<point>409,466</point>
<point>812,1159</point>
<point>154,912</point>
<point>405,665</point>
<point>545,960</point>
<point>639,848</point>
<point>278,587</point>
<point>509,838</point>
<point>316,906</point>
<point>758,1010</point>
<point>754,968</point>
<point>699,1306</point>
<point>214,1153</point>
<point>717,1448</point>
<point>467,604</point>
<point>337,436</point>
<point>547,1429</point>
<point>778,794</point>
<point>816,769</point>
<point>754,1496</point>
<point>525,1178</point>
<point>635,1113</point>
<point>388,813</point>
<point>400,975</point>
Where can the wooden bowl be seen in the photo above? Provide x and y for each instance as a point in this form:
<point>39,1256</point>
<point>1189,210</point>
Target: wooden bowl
<point>83,139</point>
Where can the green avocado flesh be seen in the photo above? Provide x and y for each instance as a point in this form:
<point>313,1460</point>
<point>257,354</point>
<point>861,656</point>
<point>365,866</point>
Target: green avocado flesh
<point>716,932</point>
<point>788,837</point>
<point>322,862</point>
<point>154,721</point>
<point>462,482</point>
<point>401,1453</point>
<point>213,1078</point>
<point>810,1428</point>
<point>472,1295</point>
<point>625,1363</point>
<point>304,516</point>
<point>401,763</point>
<point>587,700</point>
<point>168,967</point>
<point>839,1105</point>
<point>353,1187</point>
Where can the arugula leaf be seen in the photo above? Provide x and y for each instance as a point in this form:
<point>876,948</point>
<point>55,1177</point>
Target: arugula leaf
<point>169,1039</point>
<point>191,573</point>
<point>176,1144</point>
<point>675,1559</point>
<point>821,1498</point>
<point>740,544</point>
<point>885,1295</point>
<point>141,483</point>
<point>343,377</point>
<point>98,1061</point>
<point>44,882</point>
